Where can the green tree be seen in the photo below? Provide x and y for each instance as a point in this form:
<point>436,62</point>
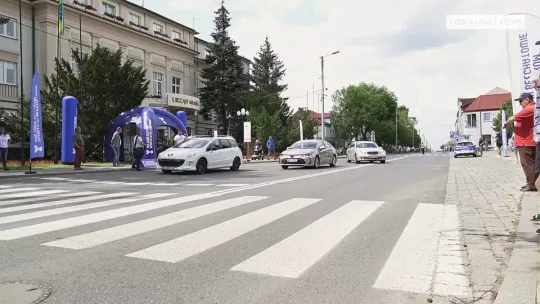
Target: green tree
<point>110,87</point>
<point>268,72</point>
<point>293,126</point>
<point>4,20</point>
<point>360,109</point>
<point>265,125</point>
<point>223,75</point>
<point>497,121</point>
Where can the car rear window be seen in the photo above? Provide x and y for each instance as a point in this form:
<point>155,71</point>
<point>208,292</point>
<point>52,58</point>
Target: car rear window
<point>465,143</point>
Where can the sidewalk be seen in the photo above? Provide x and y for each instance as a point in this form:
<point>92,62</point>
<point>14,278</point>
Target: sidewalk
<point>499,242</point>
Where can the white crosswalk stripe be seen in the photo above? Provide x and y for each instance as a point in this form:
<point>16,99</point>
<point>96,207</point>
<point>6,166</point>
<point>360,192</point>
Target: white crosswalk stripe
<point>135,184</point>
<point>43,198</point>
<point>414,264</point>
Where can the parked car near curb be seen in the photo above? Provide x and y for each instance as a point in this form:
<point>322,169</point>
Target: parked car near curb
<point>200,153</point>
<point>308,153</point>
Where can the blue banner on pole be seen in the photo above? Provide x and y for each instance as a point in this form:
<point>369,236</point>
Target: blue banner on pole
<point>149,137</point>
<point>37,144</point>
<point>504,135</point>
<point>69,122</point>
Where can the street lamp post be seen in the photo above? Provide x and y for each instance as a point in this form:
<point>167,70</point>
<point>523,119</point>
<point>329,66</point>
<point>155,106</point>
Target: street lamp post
<point>244,114</point>
<point>396,130</point>
<point>322,93</point>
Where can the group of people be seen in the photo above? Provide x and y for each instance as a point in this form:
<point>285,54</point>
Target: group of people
<point>138,148</point>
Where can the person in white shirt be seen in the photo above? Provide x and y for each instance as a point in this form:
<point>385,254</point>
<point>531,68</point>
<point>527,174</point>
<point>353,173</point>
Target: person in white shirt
<point>5,140</point>
<point>179,138</point>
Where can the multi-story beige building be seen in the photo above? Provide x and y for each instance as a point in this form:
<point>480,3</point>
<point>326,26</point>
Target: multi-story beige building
<point>170,52</point>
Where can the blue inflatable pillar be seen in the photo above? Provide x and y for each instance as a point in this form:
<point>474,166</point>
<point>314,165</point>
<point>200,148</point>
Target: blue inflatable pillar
<point>183,118</point>
<point>149,135</point>
<point>69,122</point>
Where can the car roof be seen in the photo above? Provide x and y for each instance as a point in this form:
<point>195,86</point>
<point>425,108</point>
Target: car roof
<point>365,141</point>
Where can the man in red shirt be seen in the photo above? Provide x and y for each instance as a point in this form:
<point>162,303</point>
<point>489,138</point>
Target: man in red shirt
<point>524,138</point>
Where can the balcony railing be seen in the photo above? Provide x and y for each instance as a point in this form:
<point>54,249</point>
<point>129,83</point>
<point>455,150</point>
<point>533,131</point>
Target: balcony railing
<point>9,92</point>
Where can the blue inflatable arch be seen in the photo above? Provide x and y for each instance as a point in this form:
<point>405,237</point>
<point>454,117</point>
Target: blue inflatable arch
<point>161,118</point>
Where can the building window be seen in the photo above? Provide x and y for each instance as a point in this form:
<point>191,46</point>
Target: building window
<point>8,29</point>
<point>158,28</point>
<point>135,18</point>
<point>85,2</point>
<point>176,35</point>
<point>157,84</point>
<point>177,85</point>
<point>471,120</point>
<point>108,8</point>
<point>8,73</point>
<point>487,116</point>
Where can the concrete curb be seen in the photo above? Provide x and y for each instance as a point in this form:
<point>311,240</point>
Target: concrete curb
<point>55,173</point>
<point>520,280</point>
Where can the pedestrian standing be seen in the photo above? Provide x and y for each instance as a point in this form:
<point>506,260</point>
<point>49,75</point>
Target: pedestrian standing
<point>5,140</point>
<point>179,138</point>
<point>512,145</point>
<point>116,142</point>
<point>138,150</point>
<point>78,145</point>
<point>499,143</point>
<point>524,139</point>
<point>271,145</point>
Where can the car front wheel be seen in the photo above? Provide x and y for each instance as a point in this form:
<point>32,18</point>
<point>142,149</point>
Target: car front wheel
<point>202,166</point>
<point>317,162</point>
<point>236,164</point>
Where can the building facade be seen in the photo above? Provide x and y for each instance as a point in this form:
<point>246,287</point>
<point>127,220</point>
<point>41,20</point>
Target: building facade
<point>475,116</point>
<point>170,52</point>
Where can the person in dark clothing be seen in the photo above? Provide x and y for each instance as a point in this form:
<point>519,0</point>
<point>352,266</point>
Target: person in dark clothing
<point>499,143</point>
<point>138,150</point>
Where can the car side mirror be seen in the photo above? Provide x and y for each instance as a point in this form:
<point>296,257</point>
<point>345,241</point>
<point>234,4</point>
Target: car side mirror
<point>288,148</point>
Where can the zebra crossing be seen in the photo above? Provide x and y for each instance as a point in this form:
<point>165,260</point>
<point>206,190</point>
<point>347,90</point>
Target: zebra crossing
<point>137,184</point>
<point>411,266</point>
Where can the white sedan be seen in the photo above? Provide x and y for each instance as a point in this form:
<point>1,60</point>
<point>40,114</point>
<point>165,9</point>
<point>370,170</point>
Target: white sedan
<point>201,153</point>
<point>365,151</point>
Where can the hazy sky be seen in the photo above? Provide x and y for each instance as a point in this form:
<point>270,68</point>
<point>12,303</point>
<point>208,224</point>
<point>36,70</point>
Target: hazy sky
<point>403,45</point>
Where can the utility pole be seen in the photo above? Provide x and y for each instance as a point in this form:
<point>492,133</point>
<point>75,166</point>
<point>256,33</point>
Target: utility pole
<point>313,97</point>
<point>307,100</point>
<point>322,97</point>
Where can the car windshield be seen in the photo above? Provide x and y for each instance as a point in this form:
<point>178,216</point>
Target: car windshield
<point>366,145</point>
<point>304,145</point>
<point>465,143</point>
<point>193,143</point>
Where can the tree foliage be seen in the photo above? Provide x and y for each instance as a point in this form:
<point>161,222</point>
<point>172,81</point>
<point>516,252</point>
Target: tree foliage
<point>223,74</point>
<point>360,109</point>
<point>3,20</point>
<point>293,126</point>
<point>109,87</point>
<point>497,121</point>
<point>268,70</point>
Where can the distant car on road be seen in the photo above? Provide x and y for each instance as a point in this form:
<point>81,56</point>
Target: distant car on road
<point>365,151</point>
<point>308,153</point>
<point>465,148</point>
<point>201,153</point>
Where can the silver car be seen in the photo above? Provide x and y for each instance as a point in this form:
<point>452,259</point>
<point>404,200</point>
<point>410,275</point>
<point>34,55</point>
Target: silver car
<point>308,153</point>
<point>365,151</point>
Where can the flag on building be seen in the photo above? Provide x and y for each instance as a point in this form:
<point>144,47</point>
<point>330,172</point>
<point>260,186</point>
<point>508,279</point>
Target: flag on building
<point>61,17</point>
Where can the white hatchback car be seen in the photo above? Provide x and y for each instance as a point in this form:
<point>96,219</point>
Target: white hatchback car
<point>365,151</point>
<point>200,153</point>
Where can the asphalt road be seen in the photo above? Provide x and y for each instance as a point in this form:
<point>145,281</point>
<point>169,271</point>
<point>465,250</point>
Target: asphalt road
<point>324,236</point>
